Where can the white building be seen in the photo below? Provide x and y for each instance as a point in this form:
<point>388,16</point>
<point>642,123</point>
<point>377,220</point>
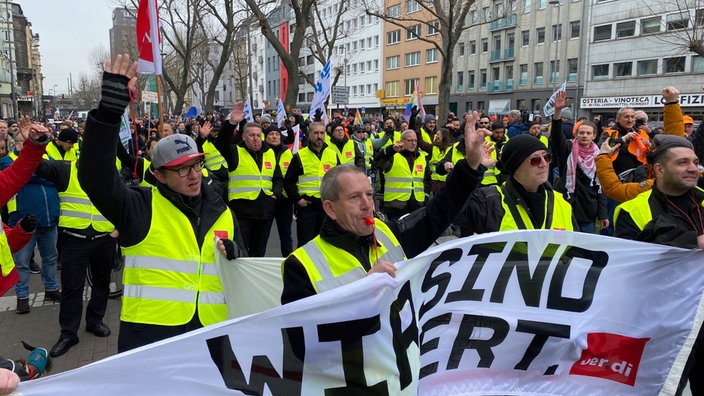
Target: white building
<point>635,49</point>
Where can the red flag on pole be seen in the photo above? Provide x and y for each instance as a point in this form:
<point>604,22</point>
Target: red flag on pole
<point>148,38</point>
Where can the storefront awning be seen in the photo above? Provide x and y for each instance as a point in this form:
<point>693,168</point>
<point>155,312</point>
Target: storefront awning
<point>499,106</point>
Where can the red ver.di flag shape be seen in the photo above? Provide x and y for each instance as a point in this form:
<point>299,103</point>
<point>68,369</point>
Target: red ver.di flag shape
<point>148,38</point>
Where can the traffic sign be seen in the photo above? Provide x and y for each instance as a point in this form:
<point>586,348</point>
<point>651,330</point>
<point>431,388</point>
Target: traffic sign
<point>340,95</point>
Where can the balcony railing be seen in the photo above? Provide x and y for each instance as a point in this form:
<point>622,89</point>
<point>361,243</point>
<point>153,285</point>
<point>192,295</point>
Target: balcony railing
<point>503,23</point>
<point>508,53</point>
<point>572,77</point>
<point>538,80</point>
<point>495,56</point>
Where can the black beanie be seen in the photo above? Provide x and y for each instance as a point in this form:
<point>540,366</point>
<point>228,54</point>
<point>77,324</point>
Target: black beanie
<point>269,129</point>
<point>516,150</point>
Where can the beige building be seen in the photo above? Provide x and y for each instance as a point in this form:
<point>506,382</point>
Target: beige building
<point>407,59</point>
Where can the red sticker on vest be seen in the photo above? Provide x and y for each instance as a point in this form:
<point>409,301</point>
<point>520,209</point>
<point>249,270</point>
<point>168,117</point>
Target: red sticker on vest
<point>348,154</point>
<point>267,164</point>
<point>419,169</point>
<point>222,234</point>
<point>326,167</point>
<point>286,164</point>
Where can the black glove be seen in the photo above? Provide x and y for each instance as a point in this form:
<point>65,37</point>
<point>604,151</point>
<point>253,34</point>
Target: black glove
<point>28,223</point>
<point>115,96</point>
<point>414,111</point>
<point>232,251</point>
<point>318,115</point>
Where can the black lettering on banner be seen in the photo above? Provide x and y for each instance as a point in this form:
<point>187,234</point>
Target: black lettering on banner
<point>542,332</point>
<point>531,285</point>
<point>349,334</point>
<point>598,259</point>
<point>468,292</point>
<point>262,372</point>
<point>403,338</point>
<point>432,344</point>
<point>463,341</point>
<point>441,281</point>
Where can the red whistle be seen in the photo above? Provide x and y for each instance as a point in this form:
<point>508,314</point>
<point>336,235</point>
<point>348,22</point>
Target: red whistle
<point>369,220</point>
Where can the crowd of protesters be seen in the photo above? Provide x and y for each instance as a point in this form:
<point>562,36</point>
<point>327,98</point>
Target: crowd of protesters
<point>575,175</point>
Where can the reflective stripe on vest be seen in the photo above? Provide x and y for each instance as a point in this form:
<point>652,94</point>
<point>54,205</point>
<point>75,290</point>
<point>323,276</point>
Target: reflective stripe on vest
<point>329,267</point>
<point>247,181</point>
<point>213,159</point>
<point>561,214</point>
<point>314,169</point>
<point>164,283</point>
<point>400,181</point>
<point>284,162</point>
<point>77,211</point>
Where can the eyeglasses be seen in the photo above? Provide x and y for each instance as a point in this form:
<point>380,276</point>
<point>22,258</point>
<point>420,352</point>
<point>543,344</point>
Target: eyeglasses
<point>485,122</point>
<point>186,170</point>
<point>537,160</point>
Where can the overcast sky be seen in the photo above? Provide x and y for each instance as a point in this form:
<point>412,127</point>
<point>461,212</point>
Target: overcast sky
<point>68,31</point>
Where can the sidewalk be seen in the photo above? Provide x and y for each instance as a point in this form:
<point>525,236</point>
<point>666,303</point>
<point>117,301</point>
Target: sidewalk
<point>41,328</point>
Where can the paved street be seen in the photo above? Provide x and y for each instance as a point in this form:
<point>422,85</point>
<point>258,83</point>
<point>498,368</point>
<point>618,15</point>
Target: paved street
<point>40,327</point>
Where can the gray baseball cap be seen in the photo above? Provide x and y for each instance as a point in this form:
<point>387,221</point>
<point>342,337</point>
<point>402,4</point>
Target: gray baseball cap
<point>174,150</point>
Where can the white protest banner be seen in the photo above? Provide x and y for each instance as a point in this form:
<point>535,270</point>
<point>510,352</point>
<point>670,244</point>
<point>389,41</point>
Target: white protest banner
<point>150,97</point>
<point>549,108</point>
<point>513,313</point>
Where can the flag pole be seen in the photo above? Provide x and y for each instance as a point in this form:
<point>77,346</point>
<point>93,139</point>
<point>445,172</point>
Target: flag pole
<point>159,105</point>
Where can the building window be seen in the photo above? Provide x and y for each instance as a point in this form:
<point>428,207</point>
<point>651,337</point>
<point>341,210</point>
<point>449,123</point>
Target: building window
<point>482,78</point>
<point>575,27</point>
<point>572,65</point>
<point>391,90</point>
<point>413,59</point>
<point>433,27</point>
<point>431,55</point>
<point>472,47</point>
<point>678,21</point>
<point>393,37</point>
<point>393,62</point>
<point>485,45</point>
<point>431,85</point>
<point>523,78</point>
<point>473,17</point>
<point>542,4</point>
<point>412,6</point>
<point>471,79</point>
<point>460,49</point>
<point>527,5</point>
<point>409,86</point>
<point>540,34</point>
<point>623,69</point>
<point>557,32</point>
<point>600,72</point>
<point>648,67</point>
<point>697,64</point>
<point>674,65</point>
<point>413,32</point>
<point>554,71</point>
<point>538,73</point>
<point>602,32</point>
<point>650,25</point>
<point>460,80</point>
<point>625,29</point>
<point>376,64</point>
<point>394,11</point>
<point>525,38</point>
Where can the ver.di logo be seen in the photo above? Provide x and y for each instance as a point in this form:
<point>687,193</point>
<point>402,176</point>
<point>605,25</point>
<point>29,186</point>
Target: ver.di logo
<point>611,356</point>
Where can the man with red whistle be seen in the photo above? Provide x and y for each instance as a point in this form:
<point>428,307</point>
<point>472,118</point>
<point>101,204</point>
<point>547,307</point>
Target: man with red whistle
<point>352,243</point>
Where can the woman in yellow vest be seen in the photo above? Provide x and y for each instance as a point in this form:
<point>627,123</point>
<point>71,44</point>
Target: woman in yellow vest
<point>167,232</point>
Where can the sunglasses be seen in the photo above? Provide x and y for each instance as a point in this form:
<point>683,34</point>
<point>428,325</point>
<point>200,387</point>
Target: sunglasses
<point>537,160</point>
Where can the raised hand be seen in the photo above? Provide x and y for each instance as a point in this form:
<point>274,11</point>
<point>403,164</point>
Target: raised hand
<point>118,78</point>
<point>474,140</point>
<point>237,113</point>
<point>205,130</point>
<point>670,94</point>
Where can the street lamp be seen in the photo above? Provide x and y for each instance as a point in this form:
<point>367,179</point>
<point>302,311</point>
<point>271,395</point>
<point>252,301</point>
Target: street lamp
<point>557,4</point>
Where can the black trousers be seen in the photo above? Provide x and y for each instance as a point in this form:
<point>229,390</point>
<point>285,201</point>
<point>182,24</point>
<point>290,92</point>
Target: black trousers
<point>255,233</point>
<point>134,335</point>
<point>77,255</point>
<point>309,220</point>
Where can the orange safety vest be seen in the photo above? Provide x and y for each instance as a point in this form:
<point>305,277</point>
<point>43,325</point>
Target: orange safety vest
<point>635,147</point>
